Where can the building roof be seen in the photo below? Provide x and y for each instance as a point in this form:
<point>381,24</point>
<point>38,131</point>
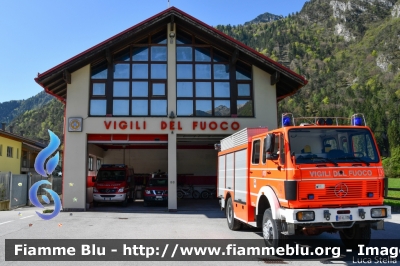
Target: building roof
<point>55,80</point>
<point>25,141</point>
<point>28,146</point>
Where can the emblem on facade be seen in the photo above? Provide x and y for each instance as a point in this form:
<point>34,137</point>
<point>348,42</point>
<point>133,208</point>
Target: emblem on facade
<point>341,190</point>
<point>75,124</point>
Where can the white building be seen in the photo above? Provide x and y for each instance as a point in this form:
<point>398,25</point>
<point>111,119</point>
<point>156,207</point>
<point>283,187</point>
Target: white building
<point>159,95</point>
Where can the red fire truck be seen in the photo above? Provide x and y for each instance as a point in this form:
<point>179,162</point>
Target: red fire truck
<point>114,183</point>
<point>322,175</point>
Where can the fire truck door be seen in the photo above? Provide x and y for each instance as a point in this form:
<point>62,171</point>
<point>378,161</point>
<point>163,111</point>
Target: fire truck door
<point>276,173</point>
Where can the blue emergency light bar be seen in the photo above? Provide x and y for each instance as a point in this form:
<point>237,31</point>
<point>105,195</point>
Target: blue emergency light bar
<point>355,120</point>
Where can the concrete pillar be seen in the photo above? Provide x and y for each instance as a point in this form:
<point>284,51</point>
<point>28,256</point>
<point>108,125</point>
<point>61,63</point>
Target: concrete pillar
<point>172,156</point>
<point>75,154</point>
<point>172,173</point>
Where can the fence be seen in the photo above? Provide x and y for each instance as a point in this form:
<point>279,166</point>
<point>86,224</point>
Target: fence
<point>393,198</point>
<point>15,188</point>
<point>4,186</point>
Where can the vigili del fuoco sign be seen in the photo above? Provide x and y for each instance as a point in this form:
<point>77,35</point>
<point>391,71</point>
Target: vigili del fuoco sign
<point>171,125</point>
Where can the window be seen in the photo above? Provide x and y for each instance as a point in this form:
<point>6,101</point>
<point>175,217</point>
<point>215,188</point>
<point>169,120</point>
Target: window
<point>24,159</point>
<point>205,83</point>
<point>17,153</point>
<point>282,149</point>
<point>255,158</point>
<point>363,147</point>
<point>98,164</point>
<point>137,85</point>
<point>9,152</point>
<point>98,101</point>
<point>90,163</point>
<point>1,150</point>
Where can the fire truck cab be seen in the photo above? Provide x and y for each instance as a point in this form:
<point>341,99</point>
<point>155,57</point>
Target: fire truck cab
<point>114,183</point>
<point>323,175</point>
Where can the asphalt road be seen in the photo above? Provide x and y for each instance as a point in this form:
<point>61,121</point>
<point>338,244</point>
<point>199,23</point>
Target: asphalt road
<point>192,221</point>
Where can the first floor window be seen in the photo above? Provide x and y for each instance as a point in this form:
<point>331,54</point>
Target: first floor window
<point>98,163</point>
<point>9,152</point>
<point>90,163</point>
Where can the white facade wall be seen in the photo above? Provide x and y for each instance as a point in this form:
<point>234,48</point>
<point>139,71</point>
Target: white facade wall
<point>77,149</point>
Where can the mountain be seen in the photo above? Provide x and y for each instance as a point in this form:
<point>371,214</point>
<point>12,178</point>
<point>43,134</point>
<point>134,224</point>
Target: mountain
<point>36,122</point>
<point>266,17</point>
<point>349,52</point>
<point>12,109</point>
<point>222,110</point>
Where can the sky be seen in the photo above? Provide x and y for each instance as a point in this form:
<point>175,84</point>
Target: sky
<point>37,35</point>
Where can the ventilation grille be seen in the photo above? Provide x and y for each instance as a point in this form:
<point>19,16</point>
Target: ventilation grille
<point>336,190</point>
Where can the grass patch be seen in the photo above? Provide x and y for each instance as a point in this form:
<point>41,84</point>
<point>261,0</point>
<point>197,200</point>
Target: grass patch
<point>48,211</point>
<point>393,183</point>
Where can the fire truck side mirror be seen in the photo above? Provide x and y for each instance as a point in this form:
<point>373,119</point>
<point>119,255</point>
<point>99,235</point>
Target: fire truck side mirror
<point>270,143</point>
<point>269,147</point>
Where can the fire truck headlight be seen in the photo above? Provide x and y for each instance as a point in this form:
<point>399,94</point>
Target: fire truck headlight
<point>378,213</point>
<point>305,216</point>
<point>95,190</point>
<point>147,191</point>
<point>121,189</point>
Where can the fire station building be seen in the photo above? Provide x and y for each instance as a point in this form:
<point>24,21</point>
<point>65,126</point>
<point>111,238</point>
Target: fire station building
<point>158,96</point>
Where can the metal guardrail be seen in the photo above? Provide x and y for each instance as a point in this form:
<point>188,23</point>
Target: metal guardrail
<point>393,198</point>
<point>4,186</point>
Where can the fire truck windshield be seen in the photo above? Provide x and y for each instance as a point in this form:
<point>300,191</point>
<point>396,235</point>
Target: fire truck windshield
<point>332,145</point>
<point>111,175</point>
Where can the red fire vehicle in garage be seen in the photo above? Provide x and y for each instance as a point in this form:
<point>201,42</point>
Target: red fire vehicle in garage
<point>114,183</point>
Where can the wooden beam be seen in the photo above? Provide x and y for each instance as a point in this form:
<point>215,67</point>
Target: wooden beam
<point>233,61</point>
<point>234,57</point>
<point>67,76</point>
<point>62,92</point>
<point>108,56</point>
<point>55,84</point>
<point>59,89</point>
<point>172,23</point>
<point>275,77</point>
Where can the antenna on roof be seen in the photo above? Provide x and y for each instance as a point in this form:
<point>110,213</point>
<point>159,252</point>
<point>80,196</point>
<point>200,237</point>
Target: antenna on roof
<point>168,3</point>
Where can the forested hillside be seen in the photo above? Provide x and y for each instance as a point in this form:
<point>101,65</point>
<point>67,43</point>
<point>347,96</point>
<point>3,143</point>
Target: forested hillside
<point>12,109</point>
<point>36,122</point>
<point>350,53</point>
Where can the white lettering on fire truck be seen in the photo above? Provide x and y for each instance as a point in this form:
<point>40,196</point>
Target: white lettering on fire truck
<point>336,173</point>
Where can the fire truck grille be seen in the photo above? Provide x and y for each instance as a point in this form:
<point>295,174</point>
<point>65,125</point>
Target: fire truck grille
<point>340,190</point>
<point>108,190</point>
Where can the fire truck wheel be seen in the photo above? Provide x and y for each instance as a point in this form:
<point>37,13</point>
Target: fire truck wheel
<point>95,204</point>
<point>272,231</point>
<point>352,237</point>
<point>233,224</point>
